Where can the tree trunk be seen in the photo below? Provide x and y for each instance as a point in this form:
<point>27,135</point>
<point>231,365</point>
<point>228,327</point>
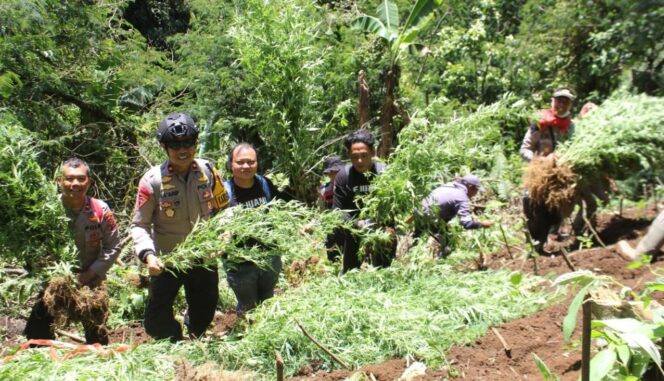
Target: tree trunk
<point>387,113</point>
<point>363,100</point>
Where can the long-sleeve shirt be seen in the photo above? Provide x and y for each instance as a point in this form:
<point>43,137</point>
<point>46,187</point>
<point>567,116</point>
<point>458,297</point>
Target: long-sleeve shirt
<point>542,141</point>
<point>349,184</point>
<point>168,205</point>
<point>451,200</point>
<point>96,236</point>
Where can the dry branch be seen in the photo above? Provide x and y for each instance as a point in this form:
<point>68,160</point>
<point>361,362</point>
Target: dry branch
<point>319,345</point>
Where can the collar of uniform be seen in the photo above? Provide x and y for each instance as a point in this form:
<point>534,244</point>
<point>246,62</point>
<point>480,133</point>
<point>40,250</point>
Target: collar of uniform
<point>167,168</point>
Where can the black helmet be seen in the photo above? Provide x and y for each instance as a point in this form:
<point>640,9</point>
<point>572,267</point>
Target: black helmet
<point>176,126</point>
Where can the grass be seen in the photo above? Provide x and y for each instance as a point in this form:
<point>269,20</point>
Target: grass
<point>364,317</point>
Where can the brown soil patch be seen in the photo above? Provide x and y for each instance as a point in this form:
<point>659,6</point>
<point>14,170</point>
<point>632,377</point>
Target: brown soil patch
<point>131,334</point>
<point>11,333</point>
<point>539,333</point>
<point>209,371</point>
<point>299,271</point>
<point>224,323</point>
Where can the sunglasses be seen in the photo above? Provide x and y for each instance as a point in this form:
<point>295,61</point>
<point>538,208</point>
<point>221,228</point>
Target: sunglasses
<point>181,144</point>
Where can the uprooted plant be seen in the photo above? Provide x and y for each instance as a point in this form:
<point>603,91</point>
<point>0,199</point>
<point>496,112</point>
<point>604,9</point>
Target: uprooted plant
<point>69,302</point>
<point>621,136</point>
<point>287,229</point>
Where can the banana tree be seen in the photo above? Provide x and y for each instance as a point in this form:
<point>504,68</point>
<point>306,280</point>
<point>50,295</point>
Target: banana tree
<point>400,39</point>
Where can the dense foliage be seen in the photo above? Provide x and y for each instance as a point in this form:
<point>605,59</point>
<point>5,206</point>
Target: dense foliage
<point>451,83</point>
<point>29,203</point>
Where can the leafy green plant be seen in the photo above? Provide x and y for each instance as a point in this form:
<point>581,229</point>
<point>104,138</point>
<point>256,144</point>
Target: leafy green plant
<point>627,345</point>
<point>30,204</point>
<point>363,317</point>
<point>288,229</point>
<point>433,153</point>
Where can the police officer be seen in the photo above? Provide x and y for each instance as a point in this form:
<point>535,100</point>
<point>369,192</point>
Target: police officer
<point>98,243</point>
<point>171,198</point>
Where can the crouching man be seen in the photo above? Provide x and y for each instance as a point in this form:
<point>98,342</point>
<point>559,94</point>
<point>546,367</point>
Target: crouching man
<point>442,205</point>
<point>96,236</point>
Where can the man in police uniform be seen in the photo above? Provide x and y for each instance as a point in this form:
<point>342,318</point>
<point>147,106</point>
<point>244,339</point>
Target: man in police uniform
<point>98,243</point>
<point>171,198</point>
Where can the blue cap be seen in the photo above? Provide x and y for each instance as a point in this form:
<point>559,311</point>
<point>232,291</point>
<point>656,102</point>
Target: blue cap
<point>472,180</point>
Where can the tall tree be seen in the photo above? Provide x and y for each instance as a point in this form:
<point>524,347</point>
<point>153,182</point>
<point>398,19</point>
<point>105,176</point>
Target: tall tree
<point>399,38</point>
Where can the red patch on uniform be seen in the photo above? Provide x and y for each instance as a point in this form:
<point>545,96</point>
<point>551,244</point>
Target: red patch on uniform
<point>143,196</point>
<point>110,220</point>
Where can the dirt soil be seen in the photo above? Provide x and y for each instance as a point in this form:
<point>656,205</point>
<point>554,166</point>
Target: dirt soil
<point>131,334</point>
<point>11,330</point>
<point>539,333</point>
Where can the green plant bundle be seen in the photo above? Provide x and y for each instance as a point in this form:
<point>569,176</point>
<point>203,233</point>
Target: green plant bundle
<point>363,317</point>
<point>33,227</point>
<point>431,153</point>
<point>287,229</point>
<point>621,136</point>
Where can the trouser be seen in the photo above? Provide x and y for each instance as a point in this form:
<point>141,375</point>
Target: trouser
<point>40,324</point>
<point>539,222</point>
<point>251,284</point>
<point>654,239</point>
<point>201,289</point>
<point>588,197</point>
<point>334,243</point>
<point>435,227</point>
<point>381,257</point>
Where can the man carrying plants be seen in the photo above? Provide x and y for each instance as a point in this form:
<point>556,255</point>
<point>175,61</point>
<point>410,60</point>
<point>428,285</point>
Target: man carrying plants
<point>554,126</point>
<point>443,204</point>
<point>96,236</point>
<point>252,282</point>
<point>171,198</point>
<point>351,182</point>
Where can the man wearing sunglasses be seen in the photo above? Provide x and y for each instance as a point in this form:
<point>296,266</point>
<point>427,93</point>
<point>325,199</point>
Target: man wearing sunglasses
<point>171,198</point>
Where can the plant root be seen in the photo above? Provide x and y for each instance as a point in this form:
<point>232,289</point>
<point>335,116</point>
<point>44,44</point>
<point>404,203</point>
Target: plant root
<point>551,184</point>
<point>69,303</point>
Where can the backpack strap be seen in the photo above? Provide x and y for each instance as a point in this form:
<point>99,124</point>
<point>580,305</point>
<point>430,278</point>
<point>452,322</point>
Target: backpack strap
<point>97,209</point>
<point>230,187</point>
<point>265,186</point>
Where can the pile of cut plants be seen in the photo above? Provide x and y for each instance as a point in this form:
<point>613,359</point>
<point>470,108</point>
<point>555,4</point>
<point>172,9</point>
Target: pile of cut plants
<point>362,317</point>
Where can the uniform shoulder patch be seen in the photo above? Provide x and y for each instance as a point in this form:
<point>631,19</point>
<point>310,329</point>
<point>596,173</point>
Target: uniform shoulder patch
<point>144,193</point>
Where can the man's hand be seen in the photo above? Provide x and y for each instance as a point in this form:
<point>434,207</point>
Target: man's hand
<point>155,267</point>
<point>486,224</point>
<point>226,237</point>
<point>364,224</point>
<point>86,277</point>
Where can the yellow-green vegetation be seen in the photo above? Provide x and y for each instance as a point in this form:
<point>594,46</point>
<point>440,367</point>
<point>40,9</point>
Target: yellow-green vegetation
<point>363,317</point>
